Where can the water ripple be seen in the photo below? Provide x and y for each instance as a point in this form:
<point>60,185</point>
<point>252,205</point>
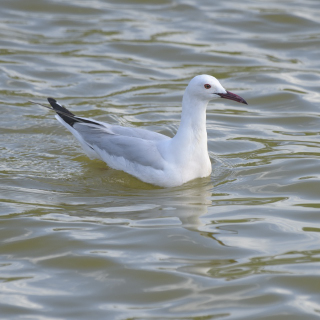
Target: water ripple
<point>80,240</point>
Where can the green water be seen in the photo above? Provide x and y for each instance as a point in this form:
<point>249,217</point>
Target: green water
<point>79,240</point>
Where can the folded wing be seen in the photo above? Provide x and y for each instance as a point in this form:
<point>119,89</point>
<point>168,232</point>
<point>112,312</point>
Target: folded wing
<point>113,147</point>
<point>120,147</point>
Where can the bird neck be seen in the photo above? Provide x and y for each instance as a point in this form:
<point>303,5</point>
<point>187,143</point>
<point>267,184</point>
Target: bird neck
<point>192,127</point>
<point>188,149</point>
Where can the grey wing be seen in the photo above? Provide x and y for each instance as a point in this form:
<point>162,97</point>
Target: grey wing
<point>138,133</point>
<point>132,132</point>
<point>131,148</point>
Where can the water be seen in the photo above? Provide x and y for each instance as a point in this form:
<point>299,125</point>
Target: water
<point>82,241</point>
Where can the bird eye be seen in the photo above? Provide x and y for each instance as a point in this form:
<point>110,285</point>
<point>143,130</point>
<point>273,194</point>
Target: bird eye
<point>207,86</point>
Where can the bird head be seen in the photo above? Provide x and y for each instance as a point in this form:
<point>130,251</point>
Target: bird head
<point>205,87</point>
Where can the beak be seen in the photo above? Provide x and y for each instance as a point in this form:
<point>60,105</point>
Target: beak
<point>231,96</point>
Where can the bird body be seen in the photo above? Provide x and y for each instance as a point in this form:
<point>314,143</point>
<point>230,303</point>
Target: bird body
<point>152,157</point>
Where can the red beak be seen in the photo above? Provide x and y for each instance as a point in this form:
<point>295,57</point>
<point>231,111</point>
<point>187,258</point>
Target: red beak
<point>231,96</point>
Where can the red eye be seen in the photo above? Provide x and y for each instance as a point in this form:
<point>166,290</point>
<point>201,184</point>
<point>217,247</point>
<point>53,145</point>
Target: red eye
<point>207,86</point>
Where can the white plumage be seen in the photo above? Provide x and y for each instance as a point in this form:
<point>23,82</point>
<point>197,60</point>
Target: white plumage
<point>152,157</point>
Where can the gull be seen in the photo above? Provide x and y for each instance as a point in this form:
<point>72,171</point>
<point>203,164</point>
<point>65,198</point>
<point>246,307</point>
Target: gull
<point>150,156</point>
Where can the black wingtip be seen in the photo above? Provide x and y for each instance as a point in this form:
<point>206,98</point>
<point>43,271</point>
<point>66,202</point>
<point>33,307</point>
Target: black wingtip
<point>51,100</point>
<point>68,116</point>
<point>63,112</point>
<point>58,107</point>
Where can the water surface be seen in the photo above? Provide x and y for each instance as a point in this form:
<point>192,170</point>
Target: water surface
<point>82,241</point>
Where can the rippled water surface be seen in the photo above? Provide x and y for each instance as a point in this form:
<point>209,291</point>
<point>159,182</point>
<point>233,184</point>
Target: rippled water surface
<point>82,241</point>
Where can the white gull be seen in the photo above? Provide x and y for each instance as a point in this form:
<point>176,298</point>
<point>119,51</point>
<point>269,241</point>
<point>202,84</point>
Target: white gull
<point>150,156</point>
